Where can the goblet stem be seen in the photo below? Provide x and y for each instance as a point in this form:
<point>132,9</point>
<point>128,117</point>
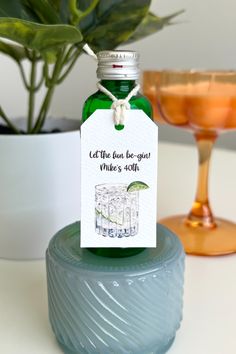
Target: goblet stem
<point>201,214</point>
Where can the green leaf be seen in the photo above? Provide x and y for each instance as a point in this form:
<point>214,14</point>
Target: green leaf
<point>36,36</point>
<point>10,8</point>
<point>50,56</point>
<point>114,22</point>
<point>56,4</point>
<point>17,9</point>
<point>39,11</point>
<point>63,10</point>
<point>44,10</point>
<point>16,52</point>
<point>151,24</point>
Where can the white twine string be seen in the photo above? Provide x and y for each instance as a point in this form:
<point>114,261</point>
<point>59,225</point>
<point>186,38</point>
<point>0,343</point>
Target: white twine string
<point>119,105</point>
<point>89,51</point>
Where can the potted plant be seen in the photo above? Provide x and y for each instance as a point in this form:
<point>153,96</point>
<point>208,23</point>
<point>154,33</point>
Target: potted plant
<point>40,172</point>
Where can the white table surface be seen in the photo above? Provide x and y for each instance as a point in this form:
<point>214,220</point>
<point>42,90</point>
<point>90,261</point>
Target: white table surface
<point>209,324</point>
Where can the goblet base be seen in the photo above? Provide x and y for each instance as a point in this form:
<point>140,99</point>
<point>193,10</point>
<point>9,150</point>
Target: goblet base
<point>204,241</point>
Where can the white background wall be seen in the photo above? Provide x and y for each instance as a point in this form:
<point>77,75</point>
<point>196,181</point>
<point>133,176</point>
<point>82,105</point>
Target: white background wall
<point>204,38</point>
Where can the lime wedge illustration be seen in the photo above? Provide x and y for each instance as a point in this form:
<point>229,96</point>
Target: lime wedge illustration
<point>109,218</point>
<point>137,186</point>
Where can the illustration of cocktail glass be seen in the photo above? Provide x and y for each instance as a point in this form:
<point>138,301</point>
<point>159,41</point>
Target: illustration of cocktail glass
<point>116,210</point>
<point>204,103</point>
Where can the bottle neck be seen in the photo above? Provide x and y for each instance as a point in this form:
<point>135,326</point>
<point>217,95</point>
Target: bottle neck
<point>119,86</point>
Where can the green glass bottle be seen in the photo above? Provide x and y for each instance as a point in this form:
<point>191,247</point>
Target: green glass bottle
<point>118,72</point>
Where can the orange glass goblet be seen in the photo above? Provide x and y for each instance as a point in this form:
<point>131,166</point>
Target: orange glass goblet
<point>204,103</point>
<point>151,86</point>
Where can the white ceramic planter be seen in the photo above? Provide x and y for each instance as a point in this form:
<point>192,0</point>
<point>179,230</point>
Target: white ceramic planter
<point>40,189</point>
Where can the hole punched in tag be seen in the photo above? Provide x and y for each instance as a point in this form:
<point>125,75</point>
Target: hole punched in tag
<point>119,126</point>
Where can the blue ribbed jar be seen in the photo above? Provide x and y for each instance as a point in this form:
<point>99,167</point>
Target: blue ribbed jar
<point>100,305</point>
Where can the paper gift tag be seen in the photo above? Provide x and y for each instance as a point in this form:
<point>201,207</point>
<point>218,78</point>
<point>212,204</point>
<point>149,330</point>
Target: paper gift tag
<point>118,181</point>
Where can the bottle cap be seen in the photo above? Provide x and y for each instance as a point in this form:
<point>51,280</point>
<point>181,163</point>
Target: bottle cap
<point>118,65</point>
